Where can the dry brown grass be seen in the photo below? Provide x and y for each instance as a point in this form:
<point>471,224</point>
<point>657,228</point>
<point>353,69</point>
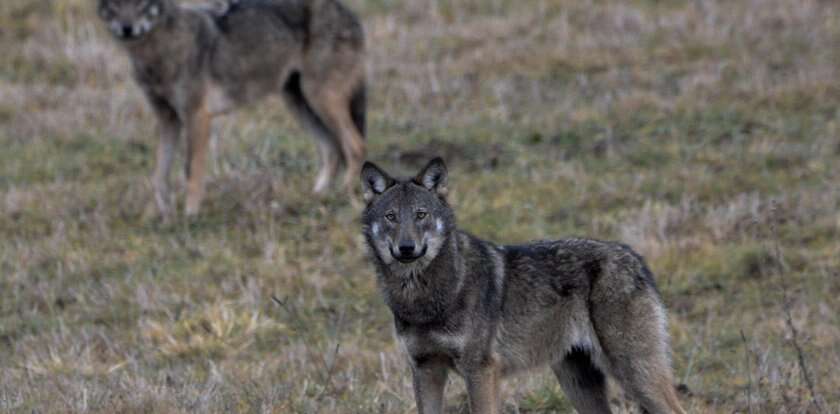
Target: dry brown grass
<point>703,133</point>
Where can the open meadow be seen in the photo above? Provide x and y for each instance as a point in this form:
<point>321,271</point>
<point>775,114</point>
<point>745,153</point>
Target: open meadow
<point>705,134</point>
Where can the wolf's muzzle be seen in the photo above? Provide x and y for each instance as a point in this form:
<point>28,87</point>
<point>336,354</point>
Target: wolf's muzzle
<point>130,31</point>
<point>406,253</point>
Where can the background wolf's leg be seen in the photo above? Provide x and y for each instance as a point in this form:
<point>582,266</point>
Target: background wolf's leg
<point>352,144</point>
<point>328,148</point>
<point>330,98</point>
<point>429,384</point>
<point>584,384</point>
<point>170,130</point>
<point>330,162</point>
<point>198,135</point>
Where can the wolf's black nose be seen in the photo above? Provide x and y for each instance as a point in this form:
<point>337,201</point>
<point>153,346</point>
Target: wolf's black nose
<point>127,31</point>
<point>406,248</point>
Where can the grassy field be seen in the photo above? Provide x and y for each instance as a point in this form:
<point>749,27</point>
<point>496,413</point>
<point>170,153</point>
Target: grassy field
<point>706,134</point>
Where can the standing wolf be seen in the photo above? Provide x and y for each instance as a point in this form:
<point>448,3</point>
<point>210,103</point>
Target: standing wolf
<point>587,308</point>
<point>197,62</point>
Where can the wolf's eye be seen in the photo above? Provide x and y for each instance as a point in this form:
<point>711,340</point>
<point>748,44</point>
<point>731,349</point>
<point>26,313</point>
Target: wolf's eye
<point>421,215</point>
<point>391,217</point>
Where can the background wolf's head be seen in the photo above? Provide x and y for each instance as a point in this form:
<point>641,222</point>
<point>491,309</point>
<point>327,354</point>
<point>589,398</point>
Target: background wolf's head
<point>406,222</point>
<point>130,19</point>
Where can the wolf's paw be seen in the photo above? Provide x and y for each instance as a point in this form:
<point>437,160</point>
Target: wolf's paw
<point>153,213</point>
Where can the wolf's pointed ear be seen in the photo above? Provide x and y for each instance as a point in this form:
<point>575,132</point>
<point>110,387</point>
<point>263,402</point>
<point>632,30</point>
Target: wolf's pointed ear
<point>433,176</point>
<point>374,180</point>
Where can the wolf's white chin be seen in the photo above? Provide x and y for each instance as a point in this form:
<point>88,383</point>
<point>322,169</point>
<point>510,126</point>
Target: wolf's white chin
<point>410,270</point>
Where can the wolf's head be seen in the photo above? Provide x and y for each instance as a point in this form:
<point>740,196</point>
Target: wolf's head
<point>406,222</point>
<point>131,19</point>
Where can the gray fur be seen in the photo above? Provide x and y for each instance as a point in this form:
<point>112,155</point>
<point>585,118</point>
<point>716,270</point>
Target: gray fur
<point>196,62</point>
<point>587,308</point>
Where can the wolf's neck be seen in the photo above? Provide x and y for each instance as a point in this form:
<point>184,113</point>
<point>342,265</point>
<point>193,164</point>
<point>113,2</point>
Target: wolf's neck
<point>161,38</point>
<point>427,295</point>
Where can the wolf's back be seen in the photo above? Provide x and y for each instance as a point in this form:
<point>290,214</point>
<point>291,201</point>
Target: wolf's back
<point>314,18</point>
<point>291,14</point>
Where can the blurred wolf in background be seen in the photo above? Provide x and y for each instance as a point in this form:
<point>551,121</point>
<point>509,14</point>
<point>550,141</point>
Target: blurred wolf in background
<point>585,307</point>
<point>197,62</point>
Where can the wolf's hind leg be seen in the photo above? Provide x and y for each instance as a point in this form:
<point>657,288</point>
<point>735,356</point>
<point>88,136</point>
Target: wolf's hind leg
<point>330,98</point>
<point>584,384</point>
<point>328,147</point>
<point>649,382</point>
<point>637,349</point>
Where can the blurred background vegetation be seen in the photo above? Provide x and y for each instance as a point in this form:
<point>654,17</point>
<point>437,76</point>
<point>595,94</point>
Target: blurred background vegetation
<point>703,133</point>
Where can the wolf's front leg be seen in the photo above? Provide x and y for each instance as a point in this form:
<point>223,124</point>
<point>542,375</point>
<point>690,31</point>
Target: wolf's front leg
<point>429,383</point>
<point>198,136</point>
<point>483,388</point>
<point>169,132</point>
